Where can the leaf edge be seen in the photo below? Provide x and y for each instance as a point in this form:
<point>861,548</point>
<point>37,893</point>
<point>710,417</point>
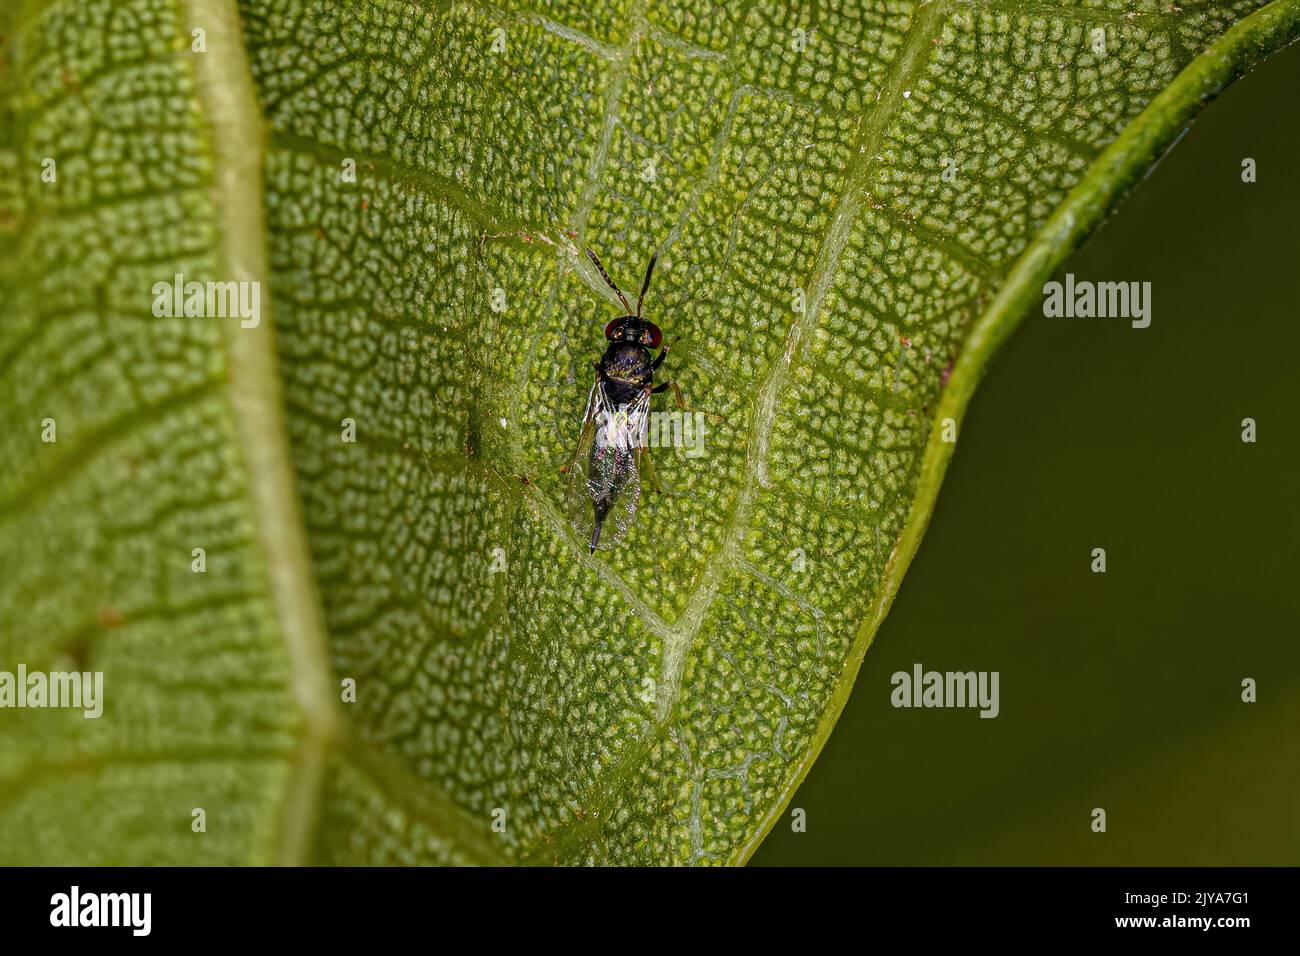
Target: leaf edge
<point>1109,179</point>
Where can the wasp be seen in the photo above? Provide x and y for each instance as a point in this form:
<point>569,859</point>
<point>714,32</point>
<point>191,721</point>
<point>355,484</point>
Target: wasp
<point>606,468</point>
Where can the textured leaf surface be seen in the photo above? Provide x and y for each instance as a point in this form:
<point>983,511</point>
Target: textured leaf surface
<point>827,289</point>
<point>157,424</point>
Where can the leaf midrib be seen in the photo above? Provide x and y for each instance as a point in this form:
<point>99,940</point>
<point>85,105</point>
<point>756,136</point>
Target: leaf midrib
<point>224,86</point>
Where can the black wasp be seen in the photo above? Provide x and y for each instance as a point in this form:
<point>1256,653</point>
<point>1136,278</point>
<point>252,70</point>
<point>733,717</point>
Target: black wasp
<point>605,470</point>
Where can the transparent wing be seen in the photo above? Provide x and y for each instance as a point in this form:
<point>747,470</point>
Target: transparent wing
<point>604,484</point>
<point>577,500</point>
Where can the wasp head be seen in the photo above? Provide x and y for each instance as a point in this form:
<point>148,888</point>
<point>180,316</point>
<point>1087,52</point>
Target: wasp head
<point>634,329</point>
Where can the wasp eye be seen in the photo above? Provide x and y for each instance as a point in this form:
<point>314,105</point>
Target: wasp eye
<point>653,336</point>
<point>609,328</point>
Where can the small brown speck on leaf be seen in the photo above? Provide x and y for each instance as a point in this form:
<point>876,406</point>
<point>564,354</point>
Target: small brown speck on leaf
<point>110,618</point>
<point>78,651</point>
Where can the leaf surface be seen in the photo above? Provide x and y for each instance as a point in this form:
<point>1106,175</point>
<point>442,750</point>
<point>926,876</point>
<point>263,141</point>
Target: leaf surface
<point>854,204</point>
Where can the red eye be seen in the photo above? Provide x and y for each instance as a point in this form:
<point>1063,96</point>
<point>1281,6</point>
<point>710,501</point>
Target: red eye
<point>609,329</point>
<point>655,335</point>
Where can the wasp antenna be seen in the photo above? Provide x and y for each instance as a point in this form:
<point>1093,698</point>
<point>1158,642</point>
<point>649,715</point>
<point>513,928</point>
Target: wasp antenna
<point>595,260</point>
<point>645,283</point>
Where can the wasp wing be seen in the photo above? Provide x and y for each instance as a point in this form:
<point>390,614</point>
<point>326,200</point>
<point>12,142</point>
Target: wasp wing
<point>577,501</point>
<point>604,487</point>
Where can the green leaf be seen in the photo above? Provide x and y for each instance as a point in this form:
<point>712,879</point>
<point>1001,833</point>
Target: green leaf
<point>169,437</point>
<point>851,218</point>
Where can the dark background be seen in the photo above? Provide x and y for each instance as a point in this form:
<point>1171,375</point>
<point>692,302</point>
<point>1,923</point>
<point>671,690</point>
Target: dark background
<point>1119,690</point>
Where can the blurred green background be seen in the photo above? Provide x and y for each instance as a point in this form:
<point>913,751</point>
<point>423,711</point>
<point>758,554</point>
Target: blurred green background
<point>1118,690</point>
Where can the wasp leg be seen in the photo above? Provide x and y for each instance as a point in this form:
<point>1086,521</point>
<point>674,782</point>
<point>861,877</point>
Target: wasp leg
<point>681,402</point>
<point>664,386</point>
<point>659,359</point>
<point>646,465</point>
